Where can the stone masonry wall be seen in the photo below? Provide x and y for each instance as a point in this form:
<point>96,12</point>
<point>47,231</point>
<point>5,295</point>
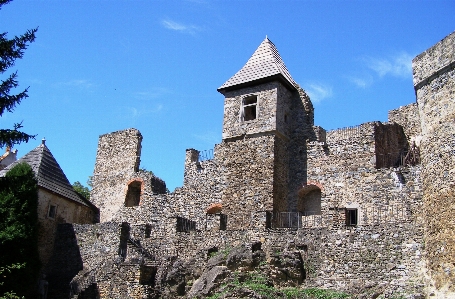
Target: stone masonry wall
<point>345,167</point>
<point>408,118</point>
<point>118,156</point>
<point>248,166</point>
<point>301,131</point>
<point>434,83</point>
<point>266,108</point>
<point>117,166</point>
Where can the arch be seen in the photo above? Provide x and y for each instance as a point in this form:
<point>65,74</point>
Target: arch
<point>133,192</point>
<point>214,208</point>
<point>309,202</point>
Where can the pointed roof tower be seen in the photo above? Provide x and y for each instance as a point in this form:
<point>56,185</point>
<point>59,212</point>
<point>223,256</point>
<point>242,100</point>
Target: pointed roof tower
<point>48,173</point>
<point>264,65</point>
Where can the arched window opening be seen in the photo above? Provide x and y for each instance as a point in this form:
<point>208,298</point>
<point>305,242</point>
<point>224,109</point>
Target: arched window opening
<point>310,200</point>
<point>133,195</point>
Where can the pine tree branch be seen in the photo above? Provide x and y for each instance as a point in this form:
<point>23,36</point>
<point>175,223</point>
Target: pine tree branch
<point>10,137</point>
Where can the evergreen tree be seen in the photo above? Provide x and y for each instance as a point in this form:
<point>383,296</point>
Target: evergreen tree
<point>19,260</point>
<point>10,50</point>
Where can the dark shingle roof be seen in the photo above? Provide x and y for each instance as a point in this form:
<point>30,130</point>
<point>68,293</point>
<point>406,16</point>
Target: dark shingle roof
<point>264,65</point>
<point>48,174</point>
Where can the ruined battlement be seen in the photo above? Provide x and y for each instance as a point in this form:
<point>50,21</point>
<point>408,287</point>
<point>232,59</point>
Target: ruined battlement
<point>433,62</point>
<point>117,180</point>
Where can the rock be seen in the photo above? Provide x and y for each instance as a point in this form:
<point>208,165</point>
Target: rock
<point>240,257</point>
<point>208,281</point>
<point>286,269</point>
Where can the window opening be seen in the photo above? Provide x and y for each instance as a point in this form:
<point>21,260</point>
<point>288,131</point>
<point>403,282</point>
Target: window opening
<point>124,236</point>
<point>223,221</point>
<point>133,195</point>
<point>52,211</point>
<point>185,225</point>
<point>351,217</point>
<point>148,230</point>
<point>249,108</point>
<point>147,275</point>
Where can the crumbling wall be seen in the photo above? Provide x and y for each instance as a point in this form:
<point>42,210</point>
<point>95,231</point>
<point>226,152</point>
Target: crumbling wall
<point>408,118</point>
<point>391,145</point>
<point>301,130</point>
<point>116,166</point>
<point>434,83</point>
<point>345,169</point>
<point>117,157</point>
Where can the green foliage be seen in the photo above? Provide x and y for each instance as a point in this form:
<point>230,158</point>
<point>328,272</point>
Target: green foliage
<point>19,260</point>
<point>258,283</point>
<point>225,252</point>
<point>81,190</point>
<point>7,269</point>
<point>323,294</point>
<point>10,50</point>
<point>90,181</point>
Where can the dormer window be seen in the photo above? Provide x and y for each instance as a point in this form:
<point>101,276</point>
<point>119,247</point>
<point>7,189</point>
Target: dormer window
<point>249,108</point>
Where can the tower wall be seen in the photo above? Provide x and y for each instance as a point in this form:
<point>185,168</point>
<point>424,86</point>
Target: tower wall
<point>117,158</point>
<point>269,116</point>
<point>434,83</point>
<point>254,152</point>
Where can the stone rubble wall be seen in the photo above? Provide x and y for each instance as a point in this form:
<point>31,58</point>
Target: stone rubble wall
<point>346,259</point>
<point>428,63</point>
<point>117,165</point>
<point>249,176</point>
<point>117,157</point>
<point>266,110</point>
<point>408,118</point>
<point>434,82</point>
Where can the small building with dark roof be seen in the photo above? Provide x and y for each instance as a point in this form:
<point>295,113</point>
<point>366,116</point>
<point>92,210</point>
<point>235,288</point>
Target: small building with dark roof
<point>57,201</point>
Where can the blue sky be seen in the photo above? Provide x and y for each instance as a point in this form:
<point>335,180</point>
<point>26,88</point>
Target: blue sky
<point>102,66</point>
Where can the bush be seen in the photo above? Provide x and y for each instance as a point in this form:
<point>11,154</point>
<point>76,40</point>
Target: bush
<point>19,230</point>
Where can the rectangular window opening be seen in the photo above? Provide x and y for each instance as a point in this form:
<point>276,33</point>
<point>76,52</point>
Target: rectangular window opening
<point>52,211</point>
<point>351,217</point>
<point>249,108</point>
<point>223,221</point>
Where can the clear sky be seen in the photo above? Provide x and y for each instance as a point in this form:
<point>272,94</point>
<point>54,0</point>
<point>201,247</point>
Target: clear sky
<point>102,66</point>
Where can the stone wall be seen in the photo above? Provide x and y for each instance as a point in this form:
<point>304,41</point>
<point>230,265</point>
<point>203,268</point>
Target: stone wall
<point>408,118</point>
<point>266,110</point>
<point>118,156</point>
<point>249,175</point>
<point>434,83</point>
<point>116,167</point>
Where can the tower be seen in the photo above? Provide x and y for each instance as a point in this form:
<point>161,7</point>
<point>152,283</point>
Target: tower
<point>263,107</point>
<point>434,84</point>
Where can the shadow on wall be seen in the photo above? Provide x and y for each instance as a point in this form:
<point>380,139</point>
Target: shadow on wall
<point>64,264</point>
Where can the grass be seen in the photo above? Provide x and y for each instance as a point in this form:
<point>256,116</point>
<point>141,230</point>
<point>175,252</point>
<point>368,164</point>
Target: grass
<point>258,283</point>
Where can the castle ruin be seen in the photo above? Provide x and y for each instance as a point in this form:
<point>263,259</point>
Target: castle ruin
<point>369,206</point>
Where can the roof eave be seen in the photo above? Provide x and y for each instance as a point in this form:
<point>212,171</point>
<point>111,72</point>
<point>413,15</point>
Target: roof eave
<point>277,77</point>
